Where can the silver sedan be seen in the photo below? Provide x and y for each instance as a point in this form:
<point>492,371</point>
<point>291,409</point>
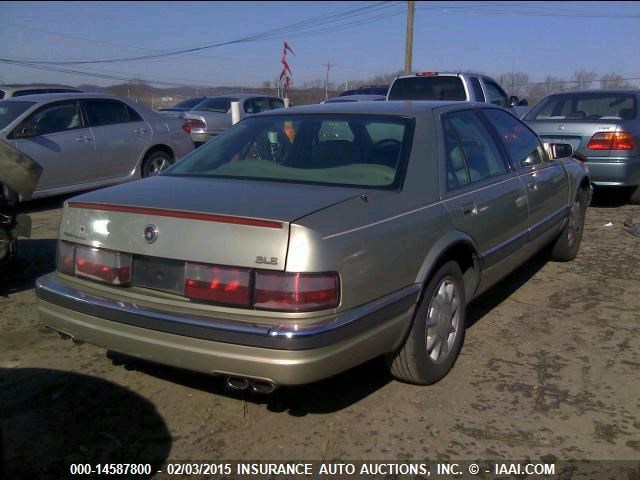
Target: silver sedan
<point>85,141</point>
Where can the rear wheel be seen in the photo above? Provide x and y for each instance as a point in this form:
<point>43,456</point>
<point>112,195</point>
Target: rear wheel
<point>566,246</point>
<point>156,162</point>
<point>437,332</point>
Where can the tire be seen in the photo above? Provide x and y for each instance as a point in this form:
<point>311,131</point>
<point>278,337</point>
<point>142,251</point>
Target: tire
<point>566,246</point>
<point>418,362</point>
<point>634,198</point>
<point>155,163</point>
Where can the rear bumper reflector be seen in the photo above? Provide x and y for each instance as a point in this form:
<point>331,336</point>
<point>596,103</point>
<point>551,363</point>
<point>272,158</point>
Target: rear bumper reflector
<point>162,212</point>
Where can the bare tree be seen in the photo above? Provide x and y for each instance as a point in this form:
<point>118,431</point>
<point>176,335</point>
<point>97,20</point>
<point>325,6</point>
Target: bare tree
<point>613,80</point>
<point>583,79</point>
<point>514,83</point>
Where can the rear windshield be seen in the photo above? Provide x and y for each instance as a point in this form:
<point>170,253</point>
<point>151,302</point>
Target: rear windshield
<point>593,106</point>
<point>347,150</point>
<point>190,103</point>
<point>221,105</point>
<point>428,88</point>
<point>9,111</point>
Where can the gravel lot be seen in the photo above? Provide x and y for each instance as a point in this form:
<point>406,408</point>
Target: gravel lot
<point>550,370</point>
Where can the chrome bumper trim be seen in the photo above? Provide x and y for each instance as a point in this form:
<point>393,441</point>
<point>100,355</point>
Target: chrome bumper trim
<point>301,335</point>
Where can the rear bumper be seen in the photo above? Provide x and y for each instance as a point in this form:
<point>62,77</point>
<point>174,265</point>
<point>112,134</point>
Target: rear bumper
<point>621,172</point>
<point>280,354</point>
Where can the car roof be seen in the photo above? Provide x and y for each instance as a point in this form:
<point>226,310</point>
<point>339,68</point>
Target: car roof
<point>17,86</point>
<point>393,107</point>
<point>242,96</point>
<point>440,74</point>
<point>356,98</point>
<point>49,97</point>
<point>599,91</point>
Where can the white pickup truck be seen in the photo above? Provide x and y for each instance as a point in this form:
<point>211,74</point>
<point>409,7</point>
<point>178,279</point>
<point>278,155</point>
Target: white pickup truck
<point>465,87</point>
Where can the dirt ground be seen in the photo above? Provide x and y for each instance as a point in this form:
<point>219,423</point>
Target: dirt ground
<point>550,369</point>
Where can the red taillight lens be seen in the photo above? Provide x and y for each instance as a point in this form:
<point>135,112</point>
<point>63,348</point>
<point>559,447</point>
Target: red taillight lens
<point>612,141</point>
<point>427,74</point>
<point>296,291</point>
<point>64,258</point>
<point>186,127</point>
<point>196,123</point>
<point>218,284</point>
<point>102,265</point>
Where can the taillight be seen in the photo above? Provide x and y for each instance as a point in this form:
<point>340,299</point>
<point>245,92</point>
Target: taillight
<point>186,127</point>
<point>102,265</point>
<point>196,123</point>
<point>427,74</point>
<point>218,284</point>
<point>296,291</point>
<point>612,141</point>
<point>65,257</point>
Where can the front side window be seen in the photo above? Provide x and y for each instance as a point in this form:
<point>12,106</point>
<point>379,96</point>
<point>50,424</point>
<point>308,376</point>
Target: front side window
<point>496,95</point>
<point>332,149</point>
<point>57,117</point>
<point>276,103</point>
<point>522,145</point>
<point>482,155</point>
<point>109,112</point>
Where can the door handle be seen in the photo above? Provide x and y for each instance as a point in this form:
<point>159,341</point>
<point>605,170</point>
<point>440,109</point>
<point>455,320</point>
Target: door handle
<point>470,209</point>
<point>83,139</point>
<point>533,186</point>
<point>140,131</point>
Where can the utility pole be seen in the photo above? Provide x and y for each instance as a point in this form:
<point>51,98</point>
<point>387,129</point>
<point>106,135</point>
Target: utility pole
<point>326,82</point>
<point>408,52</point>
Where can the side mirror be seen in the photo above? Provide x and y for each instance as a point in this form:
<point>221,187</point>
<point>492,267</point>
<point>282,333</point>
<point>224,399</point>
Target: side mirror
<point>559,150</point>
<point>513,101</point>
<point>26,130</point>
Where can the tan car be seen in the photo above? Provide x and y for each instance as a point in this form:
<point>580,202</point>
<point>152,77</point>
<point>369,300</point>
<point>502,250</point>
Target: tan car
<point>303,242</point>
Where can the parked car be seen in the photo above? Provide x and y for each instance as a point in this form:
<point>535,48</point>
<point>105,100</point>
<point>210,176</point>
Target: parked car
<point>603,128</point>
<point>464,87</point>
<point>181,107</point>
<point>10,91</point>
<point>84,141</point>
<point>278,254</point>
<point>18,177</point>
<point>367,90</point>
<point>356,98</point>
<point>212,116</point>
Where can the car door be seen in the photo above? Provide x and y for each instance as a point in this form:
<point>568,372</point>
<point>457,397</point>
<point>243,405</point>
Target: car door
<point>121,136</point>
<point>544,180</point>
<point>64,146</point>
<point>483,196</point>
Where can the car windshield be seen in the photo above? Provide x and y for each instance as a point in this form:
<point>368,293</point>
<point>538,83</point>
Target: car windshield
<point>333,149</point>
<point>221,105</point>
<point>428,88</point>
<point>587,106</point>
<point>10,110</point>
<point>190,103</point>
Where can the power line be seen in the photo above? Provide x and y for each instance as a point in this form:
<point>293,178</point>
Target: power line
<point>533,13</point>
<point>268,34</point>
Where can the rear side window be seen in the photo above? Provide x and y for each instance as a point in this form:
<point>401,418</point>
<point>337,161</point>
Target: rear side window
<point>522,145</point>
<point>428,88</point>
<point>457,172</point>
<point>276,103</point>
<point>477,89</point>
<point>594,106</point>
<point>219,105</point>
<point>256,105</point>
<point>109,112</point>
<point>33,91</point>
<point>481,154</point>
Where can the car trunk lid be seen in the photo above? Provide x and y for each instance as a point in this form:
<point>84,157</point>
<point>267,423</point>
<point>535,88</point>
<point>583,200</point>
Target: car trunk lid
<point>217,221</point>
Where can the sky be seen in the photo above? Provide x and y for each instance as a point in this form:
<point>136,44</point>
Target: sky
<point>538,38</point>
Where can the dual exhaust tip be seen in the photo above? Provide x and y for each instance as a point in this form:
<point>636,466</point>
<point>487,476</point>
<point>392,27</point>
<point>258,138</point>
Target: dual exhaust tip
<point>255,386</point>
